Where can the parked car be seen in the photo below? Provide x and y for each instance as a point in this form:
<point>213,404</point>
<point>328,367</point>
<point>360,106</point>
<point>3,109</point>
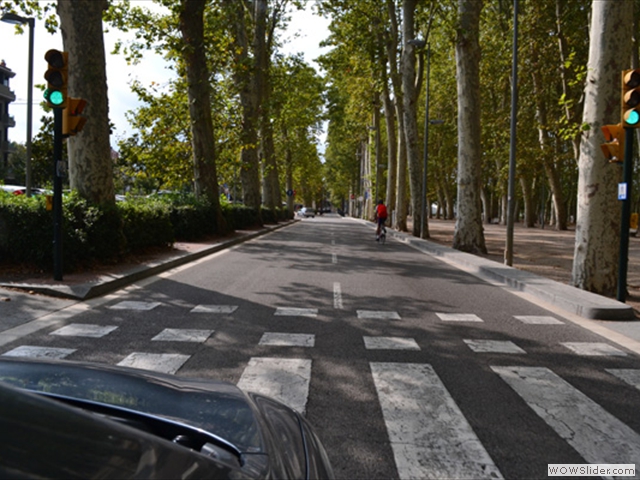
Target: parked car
<point>64,419</point>
<point>307,212</point>
<point>14,189</point>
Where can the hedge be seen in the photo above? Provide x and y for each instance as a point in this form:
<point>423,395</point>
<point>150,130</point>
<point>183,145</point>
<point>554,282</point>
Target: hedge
<point>107,233</point>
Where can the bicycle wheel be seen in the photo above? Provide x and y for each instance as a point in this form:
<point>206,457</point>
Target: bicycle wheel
<point>383,236</point>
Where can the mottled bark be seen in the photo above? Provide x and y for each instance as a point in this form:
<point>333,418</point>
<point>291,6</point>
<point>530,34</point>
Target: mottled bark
<point>400,206</point>
<point>262,54</point>
<point>202,139</point>
<point>598,223</point>
<point>90,163</point>
<point>410,116</point>
<point>244,79</point>
<point>469,232</point>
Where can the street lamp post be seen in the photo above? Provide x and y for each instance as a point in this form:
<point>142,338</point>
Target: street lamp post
<point>14,19</point>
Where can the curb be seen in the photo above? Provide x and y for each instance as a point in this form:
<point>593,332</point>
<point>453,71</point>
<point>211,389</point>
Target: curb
<point>109,283</point>
<point>572,299</point>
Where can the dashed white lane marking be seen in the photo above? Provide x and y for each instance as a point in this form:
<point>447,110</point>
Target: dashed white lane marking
<point>390,343</point>
<point>285,379</point>
<point>134,305</point>
<point>628,375</point>
<point>214,309</point>
<point>493,346</point>
<point>459,317</point>
<point>538,320</point>
<point>337,295</point>
<point>334,258</point>
<point>378,315</point>
<point>417,409</point>
<point>275,339</point>
<point>85,330</point>
<point>594,433</point>
<point>157,362</point>
<point>296,312</point>
<point>594,349</point>
<point>40,352</point>
<point>182,335</point>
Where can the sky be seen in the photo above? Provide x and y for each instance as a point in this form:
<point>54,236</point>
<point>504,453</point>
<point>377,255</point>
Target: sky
<point>15,52</point>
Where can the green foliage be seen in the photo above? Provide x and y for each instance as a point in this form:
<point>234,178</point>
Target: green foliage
<point>26,230</point>
<point>146,224</point>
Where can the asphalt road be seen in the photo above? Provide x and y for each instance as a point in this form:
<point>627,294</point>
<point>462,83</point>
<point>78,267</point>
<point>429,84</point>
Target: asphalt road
<point>407,366</point>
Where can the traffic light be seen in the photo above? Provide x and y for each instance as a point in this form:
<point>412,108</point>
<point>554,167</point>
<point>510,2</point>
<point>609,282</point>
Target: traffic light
<point>56,76</point>
<point>72,119</point>
<point>613,149</point>
<point>630,98</point>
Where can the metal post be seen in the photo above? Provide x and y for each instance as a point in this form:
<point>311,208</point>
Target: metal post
<point>57,193</point>
<point>508,250</point>
<point>28,175</point>
<point>623,259</point>
<point>423,233</point>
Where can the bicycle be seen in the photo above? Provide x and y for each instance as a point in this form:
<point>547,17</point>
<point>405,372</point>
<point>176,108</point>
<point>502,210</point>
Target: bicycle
<point>383,234</point>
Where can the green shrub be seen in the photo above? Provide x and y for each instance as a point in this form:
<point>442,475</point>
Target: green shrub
<point>146,223</point>
<point>26,230</point>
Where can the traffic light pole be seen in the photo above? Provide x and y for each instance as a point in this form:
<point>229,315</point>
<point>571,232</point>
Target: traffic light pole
<point>626,214</point>
<point>57,194</point>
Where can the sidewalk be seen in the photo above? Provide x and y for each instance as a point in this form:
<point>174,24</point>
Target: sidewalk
<point>545,252</point>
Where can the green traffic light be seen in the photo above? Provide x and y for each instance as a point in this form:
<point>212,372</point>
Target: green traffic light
<point>633,117</point>
<point>54,97</point>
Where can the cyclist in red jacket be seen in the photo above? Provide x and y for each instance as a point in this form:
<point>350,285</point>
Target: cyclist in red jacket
<point>381,217</point>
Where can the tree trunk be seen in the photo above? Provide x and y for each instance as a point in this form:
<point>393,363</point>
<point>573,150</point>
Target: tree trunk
<point>90,164</point>
<point>410,117</point>
<point>527,196</point>
<point>396,81</point>
<point>469,233</point>
<point>598,224</point>
<point>244,79</point>
<point>202,140</point>
<point>262,54</point>
<point>546,150</point>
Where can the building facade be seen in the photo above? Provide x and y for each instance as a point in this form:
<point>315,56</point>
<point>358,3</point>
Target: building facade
<point>6,121</point>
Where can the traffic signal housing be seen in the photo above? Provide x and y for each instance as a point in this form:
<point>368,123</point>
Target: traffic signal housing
<point>613,148</point>
<point>72,119</point>
<point>57,76</point>
<point>630,98</point>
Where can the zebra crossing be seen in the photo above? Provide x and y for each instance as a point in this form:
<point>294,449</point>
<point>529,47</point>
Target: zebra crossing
<point>428,432</point>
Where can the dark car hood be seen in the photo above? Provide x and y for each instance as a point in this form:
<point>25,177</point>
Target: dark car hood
<point>217,407</point>
<point>275,440</point>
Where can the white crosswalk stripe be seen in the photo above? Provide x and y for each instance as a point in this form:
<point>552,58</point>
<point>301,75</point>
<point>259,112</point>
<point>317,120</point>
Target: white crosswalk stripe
<point>156,362</point>
<point>84,330</point>
<point>493,346</point>
<point>594,349</point>
<point>276,339</point>
<point>33,351</point>
<point>390,343</point>
<point>429,435</point>
<point>182,335</point>
<point>285,379</point>
<point>628,375</point>
<point>594,433</point>
<point>459,317</point>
